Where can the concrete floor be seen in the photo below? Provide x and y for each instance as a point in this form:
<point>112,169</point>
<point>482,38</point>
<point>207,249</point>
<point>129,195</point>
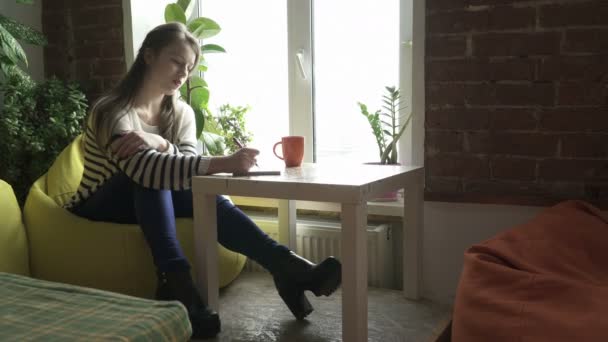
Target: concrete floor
<point>252,311</point>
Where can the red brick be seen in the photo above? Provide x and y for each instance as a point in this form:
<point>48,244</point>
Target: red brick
<point>573,170</point>
<point>499,18</point>
<point>457,165</point>
<point>84,69</point>
<point>107,67</point>
<point>95,17</point>
<point>58,70</point>
<point>574,119</point>
<point>442,141</point>
<point>57,37</point>
<point>450,46</point>
<point>513,119</point>
<point>513,168</point>
<point>516,44</point>
<point>457,118</point>
<point>97,3</point>
<point>480,94</point>
<point>582,94</point>
<point>112,49</point>
<point>55,21</point>
<point>445,94</point>
<point>98,34</point>
<point>110,82</point>
<point>525,94</point>
<point>501,188</point>
<point>585,145</point>
<point>87,51</point>
<point>588,13</point>
<point>573,68</point>
<point>434,5</point>
<point>444,4</point>
<point>586,41</point>
<point>54,54</point>
<point>513,144</point>
<point>481,70</point>
<point>478,142</point>
<point>443,184</point>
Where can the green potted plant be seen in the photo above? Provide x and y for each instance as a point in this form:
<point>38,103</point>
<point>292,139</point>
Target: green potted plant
<point>196,91</point>
<point>388,125</point>
<point>37,120</point>
<point>222,130</point>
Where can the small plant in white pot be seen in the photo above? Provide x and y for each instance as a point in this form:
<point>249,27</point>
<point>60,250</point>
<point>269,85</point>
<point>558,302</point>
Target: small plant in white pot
<point>388,125</point>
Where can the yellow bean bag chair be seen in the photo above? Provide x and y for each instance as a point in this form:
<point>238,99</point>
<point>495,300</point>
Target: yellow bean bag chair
<point>13,241</point>
<point>109,256</point>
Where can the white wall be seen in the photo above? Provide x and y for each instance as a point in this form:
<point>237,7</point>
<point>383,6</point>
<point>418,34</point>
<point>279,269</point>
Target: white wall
<point>30,15</point>
<point>139,17</point>
<point>451,228</point>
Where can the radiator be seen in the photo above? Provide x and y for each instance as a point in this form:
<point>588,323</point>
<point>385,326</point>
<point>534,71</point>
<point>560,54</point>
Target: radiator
<point>316,240</point>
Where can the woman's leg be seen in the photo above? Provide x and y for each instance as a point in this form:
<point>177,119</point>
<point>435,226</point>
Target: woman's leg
<point>121,200</point>
<point>292,274</point>
<point>236,231</point>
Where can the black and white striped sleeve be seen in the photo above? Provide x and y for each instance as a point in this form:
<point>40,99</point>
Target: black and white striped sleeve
<point>162,171</point>
<point>158,170</point>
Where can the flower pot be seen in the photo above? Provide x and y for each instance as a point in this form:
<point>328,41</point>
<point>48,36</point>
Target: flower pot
<point>391,196</point>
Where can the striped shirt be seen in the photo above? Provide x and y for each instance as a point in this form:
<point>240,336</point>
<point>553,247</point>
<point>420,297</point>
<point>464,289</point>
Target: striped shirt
<point>171,170</point>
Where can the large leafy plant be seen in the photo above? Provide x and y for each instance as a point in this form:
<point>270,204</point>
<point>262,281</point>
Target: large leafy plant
<point>385,124</point>
<point>196,91</point>
<point>37,121</point>
<point>11,51</point>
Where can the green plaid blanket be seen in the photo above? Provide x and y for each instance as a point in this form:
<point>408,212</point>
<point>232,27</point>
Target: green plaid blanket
<point>33,309</point>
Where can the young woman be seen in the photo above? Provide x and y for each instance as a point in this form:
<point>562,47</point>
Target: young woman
<point>140,157</point>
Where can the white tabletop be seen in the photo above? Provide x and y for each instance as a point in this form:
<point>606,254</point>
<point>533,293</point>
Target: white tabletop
<point>351,183</point>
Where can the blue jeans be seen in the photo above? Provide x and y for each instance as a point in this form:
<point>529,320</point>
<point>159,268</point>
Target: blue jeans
<point>120,200</point>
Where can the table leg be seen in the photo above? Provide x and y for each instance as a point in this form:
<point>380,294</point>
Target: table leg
<point>413,211</point>
<point>206,249</point>
<point>354,272</point>
<point>287,223</point>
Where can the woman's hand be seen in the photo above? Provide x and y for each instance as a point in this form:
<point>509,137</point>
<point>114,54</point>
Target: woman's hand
<point>135,141</point>
<point>238,162</point>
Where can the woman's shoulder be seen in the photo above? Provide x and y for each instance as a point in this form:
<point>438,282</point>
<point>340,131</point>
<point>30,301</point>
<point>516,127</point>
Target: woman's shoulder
<point>184,110</point>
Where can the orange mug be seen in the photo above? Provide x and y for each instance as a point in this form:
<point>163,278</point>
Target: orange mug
<point>293,150</point>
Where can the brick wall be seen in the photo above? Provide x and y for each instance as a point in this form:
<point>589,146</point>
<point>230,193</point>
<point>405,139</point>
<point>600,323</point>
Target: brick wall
<point>516,95</point>
<point>85,42</point>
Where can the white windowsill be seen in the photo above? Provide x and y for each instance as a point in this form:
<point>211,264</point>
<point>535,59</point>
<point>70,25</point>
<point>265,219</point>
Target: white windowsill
<point>373,208</point>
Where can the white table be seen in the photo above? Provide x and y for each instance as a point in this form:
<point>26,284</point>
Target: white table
<point>350,185</point>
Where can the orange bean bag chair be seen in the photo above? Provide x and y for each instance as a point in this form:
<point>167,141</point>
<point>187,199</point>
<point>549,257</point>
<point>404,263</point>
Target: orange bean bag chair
<point>545,280</point>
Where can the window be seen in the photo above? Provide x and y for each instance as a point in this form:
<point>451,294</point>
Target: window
<point>302,66</point>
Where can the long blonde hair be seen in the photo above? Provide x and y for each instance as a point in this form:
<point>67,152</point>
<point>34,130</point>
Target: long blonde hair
<point>116,103</point>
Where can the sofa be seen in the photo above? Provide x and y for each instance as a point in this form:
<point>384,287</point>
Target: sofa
<point>115,257</point>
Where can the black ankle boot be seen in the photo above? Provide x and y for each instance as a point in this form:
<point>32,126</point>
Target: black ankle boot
<point>179,286</point>
<point>294,275</point>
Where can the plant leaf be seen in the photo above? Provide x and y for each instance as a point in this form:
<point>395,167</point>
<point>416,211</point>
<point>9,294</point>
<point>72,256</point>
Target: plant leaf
<point>23,32</point>
<point>197,81</point>
<point>25,2</point>
<point>187,6</point>
<point>173,12</point>
<point>214,143</point>
<point>203,28</point>
<point>199,116</point>
<point>212,48</point>
<point>199,98</point>
<point>11,47</point>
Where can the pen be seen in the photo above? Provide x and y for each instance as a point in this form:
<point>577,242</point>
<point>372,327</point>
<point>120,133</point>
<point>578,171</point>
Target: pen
<point>240,145</point>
